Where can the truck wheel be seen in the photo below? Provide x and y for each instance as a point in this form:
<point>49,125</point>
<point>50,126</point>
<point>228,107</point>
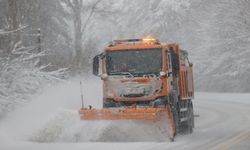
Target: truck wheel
<point>176,119</point>
<point>186,127</point>
<point>192,113</point>
<point>190,118</point>
<point>175,108</point>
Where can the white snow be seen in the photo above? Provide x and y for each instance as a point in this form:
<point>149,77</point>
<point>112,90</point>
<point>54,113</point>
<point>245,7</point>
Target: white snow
<point>21,77</point>
<point>51,121</point>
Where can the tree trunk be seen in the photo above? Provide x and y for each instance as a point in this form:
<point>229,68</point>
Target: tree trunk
<point>13,21</point>
<point>77,35</point>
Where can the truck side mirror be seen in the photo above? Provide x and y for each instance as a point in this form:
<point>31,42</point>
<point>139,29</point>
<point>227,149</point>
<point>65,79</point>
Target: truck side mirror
<point>96,66</point>
<point>190,64</point>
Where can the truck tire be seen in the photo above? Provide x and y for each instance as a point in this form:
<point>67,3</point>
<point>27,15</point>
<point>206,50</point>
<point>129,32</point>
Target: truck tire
<point>175,109</point>
<point>190,118</point>
<point>192,113</point>
<point>186,127</point>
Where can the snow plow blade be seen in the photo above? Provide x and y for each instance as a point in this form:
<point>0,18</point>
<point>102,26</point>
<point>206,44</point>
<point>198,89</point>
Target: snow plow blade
<point>163,117</point>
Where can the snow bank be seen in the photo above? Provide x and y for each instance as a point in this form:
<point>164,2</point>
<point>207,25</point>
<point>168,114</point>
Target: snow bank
<point>53,117</point>
<point>21,78</point>
<point>66,127</point>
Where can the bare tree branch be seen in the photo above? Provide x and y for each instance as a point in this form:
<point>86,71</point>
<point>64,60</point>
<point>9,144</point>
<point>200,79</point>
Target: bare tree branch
<point>12,31</point>
<point>70,4</point>
<point>90,15</point>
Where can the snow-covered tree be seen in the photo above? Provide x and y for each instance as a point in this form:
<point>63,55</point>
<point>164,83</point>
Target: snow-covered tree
<point>20,77</point>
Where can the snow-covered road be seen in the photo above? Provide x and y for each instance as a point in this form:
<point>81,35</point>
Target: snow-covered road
<point>222,122</point>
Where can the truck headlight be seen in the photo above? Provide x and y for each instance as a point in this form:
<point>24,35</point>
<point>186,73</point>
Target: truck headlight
<point>104,76</point>
<point>162,73</point>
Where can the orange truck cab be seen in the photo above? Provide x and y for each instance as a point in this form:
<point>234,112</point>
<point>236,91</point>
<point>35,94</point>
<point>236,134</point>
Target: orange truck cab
<point>145,73</point>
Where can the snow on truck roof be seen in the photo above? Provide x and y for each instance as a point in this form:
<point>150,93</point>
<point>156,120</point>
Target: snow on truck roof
<point>134,41</point>
<point>142,43</point>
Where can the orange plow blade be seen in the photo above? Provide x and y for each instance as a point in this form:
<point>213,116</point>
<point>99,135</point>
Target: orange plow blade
<point>163,117</point>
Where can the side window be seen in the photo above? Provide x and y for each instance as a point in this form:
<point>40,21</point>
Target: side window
<point>169,60</point>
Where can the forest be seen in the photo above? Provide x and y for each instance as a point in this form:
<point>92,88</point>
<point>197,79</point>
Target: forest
<point>44,42</point>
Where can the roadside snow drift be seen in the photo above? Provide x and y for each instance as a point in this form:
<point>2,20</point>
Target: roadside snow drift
<point>53,117</point>
<point>66,127</point>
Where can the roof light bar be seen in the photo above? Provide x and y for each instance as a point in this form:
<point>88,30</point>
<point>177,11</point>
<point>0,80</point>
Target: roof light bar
<point>144,41</point>
<point>150,40</point>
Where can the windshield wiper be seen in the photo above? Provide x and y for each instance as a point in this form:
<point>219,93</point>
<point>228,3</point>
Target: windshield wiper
<point>144,73</point>
<point>124,73</point>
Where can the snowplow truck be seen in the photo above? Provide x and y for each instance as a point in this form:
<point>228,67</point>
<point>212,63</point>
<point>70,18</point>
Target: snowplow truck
<point>144,80</point>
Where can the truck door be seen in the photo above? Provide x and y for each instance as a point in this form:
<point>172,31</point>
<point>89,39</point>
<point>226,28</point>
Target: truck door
<point>175,69</point>
<point>170,69</point>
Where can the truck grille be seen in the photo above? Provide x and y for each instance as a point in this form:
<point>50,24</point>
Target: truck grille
<point>133,95</point>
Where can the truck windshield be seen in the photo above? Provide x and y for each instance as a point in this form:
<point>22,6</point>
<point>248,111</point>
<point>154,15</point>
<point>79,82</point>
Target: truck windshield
<point>135,62</point>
